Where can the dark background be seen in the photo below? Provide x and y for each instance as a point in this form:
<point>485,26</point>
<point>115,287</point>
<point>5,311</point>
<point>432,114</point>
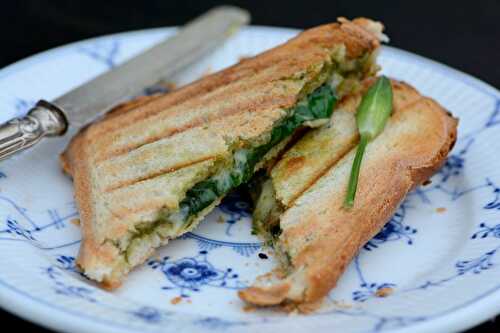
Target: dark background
<point>462,34</point>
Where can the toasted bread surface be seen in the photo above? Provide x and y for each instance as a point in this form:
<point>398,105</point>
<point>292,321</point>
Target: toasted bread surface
<point>320,236</point>
<point>142,158</point>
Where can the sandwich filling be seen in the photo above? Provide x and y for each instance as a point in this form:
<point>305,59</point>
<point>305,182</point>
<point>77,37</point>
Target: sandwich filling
<point>337,78</point>
<point>316,106</point>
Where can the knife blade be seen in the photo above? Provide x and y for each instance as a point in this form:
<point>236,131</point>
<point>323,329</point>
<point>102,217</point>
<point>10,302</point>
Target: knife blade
<point>90,100</point>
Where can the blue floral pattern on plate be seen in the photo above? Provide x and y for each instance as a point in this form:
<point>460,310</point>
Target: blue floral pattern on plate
<point>193,273</point>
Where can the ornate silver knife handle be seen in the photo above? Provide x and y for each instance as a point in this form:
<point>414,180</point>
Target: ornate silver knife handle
<point>45,119</point>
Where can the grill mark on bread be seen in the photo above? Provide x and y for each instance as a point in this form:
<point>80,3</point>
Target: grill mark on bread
<point>350,147</point>
<point>105,134</point>
<point>265,103</point>
<point>266,72</point>
<point>147,208</point>
<point>129,106</point>
<point>322,172</point>
<point>178,97</point>
<point>161,192</point>
<point>316,54</point>
<point>404,101</point>
<point>158,173</point>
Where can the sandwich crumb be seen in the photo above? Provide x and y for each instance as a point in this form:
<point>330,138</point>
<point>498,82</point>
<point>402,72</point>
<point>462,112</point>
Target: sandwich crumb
<point>176,300</point>
<point>249,308</point>
<point>384,292</point>
<point>341,304</point>
<point>441,209</point>
<point>221,219</point>
<point>427,182</point>
<point>75,222</point>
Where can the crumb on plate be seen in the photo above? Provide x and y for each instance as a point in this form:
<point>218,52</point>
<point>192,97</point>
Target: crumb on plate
<point>384,292</point>
<point>341,304</point>
<point>176,300</point>
<point>249,308</point>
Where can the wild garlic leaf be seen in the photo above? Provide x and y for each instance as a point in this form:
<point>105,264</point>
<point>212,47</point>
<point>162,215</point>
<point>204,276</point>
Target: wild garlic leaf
<point>371,116</point>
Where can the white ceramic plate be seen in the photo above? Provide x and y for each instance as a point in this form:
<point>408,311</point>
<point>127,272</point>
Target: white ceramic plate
<point>437,259</point>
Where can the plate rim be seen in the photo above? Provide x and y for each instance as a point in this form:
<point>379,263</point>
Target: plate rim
<point>35,309</point>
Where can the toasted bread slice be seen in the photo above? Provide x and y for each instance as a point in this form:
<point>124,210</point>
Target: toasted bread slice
<point>317,236</point>
<point>134,169</point>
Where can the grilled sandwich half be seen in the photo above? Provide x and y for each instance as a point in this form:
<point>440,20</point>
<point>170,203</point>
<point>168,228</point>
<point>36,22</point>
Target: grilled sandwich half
<point>300,207</point>
<point>151,170</point>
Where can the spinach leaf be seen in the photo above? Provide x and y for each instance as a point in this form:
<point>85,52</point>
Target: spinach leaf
<point>317,105</point>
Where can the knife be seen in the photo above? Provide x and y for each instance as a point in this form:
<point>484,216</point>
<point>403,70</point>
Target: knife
<point>90,100</point>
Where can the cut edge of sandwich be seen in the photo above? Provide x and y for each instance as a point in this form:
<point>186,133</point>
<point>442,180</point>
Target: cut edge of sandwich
<point>279,203</point>
<point>109,261</point>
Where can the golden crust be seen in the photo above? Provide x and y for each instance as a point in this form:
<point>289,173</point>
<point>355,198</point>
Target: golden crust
<point>243,101</point>
<point>320,235</point>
